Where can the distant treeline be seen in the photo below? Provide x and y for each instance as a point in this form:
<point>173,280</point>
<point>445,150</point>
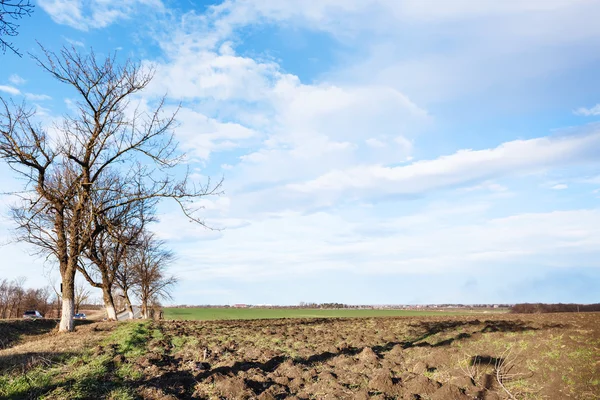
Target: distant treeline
<point>15,299</point>
<point>304,305</point>
<point>534,308</point>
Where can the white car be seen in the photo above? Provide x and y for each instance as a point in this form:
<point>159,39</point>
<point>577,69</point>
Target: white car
<point>32,314</point>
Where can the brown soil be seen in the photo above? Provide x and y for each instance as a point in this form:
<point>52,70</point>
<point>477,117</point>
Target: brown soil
<point>551,356</point>
<point>548,356</point>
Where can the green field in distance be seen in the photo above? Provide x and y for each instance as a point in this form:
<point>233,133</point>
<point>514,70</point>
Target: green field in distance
<point>265,313</point>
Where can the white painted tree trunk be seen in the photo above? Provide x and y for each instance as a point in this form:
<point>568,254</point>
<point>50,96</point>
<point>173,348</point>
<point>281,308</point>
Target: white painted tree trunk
<point>111,314</point>
<point>109,304</point>
<point>128,305</point>
<point>66,321</point>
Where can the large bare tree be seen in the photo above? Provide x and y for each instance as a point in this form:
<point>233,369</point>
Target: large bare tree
<point>106,136</point>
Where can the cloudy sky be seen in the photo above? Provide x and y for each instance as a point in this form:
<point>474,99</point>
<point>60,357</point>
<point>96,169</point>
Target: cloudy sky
<point>374,151</point>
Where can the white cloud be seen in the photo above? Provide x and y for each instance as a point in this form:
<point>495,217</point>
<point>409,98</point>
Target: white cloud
<point>486,45</point>
<point>343,17</point>
<point>511,158</point>
<point>374,142</point>
<point>489,186</point>
<point>85,15</point>
<point>560,186</point>
<point>37,97</point>
<point>10,90</point>
<point>73,42</point>
<point>192,72</point>
<point>435,240</point>
<point>295,130</point>
<point>588,112</point>
<point>16,80</point>
<point>201,135</point>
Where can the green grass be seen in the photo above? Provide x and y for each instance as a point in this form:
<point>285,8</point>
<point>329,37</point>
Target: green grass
<point>209,314</point>
<point>85,375</point>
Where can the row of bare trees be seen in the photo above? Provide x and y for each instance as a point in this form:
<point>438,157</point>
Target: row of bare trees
<point>92,182</point>
<point>126,267</point>
<point>15,299</point>
<point>145,284</point>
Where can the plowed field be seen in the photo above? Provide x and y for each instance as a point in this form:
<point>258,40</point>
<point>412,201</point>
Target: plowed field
<point>551,356</point>
<point>540,357</point>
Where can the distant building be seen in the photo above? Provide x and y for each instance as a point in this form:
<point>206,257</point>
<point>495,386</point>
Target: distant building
<point>240,305</point>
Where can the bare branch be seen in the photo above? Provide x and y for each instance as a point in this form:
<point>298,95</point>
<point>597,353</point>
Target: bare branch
<point>10,11</point>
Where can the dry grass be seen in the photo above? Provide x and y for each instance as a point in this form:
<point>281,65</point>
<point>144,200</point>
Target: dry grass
<point>35,349</point>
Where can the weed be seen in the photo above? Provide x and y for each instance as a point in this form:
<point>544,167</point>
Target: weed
<point>121,394</point>
<point>129,372</point>
<point>553,354</point>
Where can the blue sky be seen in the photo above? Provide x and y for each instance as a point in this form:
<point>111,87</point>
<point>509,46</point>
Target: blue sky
<point>374,151</point>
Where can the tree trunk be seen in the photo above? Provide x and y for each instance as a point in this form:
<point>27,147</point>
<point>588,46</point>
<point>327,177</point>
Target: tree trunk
<point>128,305</point>
<point>68,301</point>
<point>109,303</point>
<point>144,309</point>
<point>66,318</point>
<point>58,304</point>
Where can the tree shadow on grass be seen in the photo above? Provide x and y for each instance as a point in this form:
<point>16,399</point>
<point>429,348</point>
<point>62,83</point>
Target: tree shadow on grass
<point>23,362</point>
<point>14,330</point>
<point>11,331</point>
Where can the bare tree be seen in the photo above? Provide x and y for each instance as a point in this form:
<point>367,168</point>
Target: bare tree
<point>82,294</point>
<point>106,137</point>
<point>16,295</point>
<point>38,299</point>
<point>15,298</point>
<point>125,280</point>
<point>10,11</point>
<point>148,264</point>
<point>57,298</point>
<point>110,245</point>
<point>11,297</point>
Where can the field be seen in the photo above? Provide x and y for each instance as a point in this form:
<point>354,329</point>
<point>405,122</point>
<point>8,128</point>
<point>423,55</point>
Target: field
<point>495,356</point>
<point>212,314</point>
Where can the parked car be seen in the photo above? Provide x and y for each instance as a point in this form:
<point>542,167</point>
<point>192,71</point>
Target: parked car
<point>79,316</point>
<point>32,314</point>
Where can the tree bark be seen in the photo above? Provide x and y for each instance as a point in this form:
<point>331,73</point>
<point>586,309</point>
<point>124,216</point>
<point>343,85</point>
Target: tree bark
<point>68,303</point>
<point>128,305</point>
<point>144,309</point>
<point>109,303</point>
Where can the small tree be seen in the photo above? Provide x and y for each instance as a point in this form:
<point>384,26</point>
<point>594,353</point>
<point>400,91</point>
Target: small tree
<point>10,11</point>
<point>125,279</point>
<point>12,294</point>
<point>108,249</point>
<point>82,294</point>
<point>148,263</point>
